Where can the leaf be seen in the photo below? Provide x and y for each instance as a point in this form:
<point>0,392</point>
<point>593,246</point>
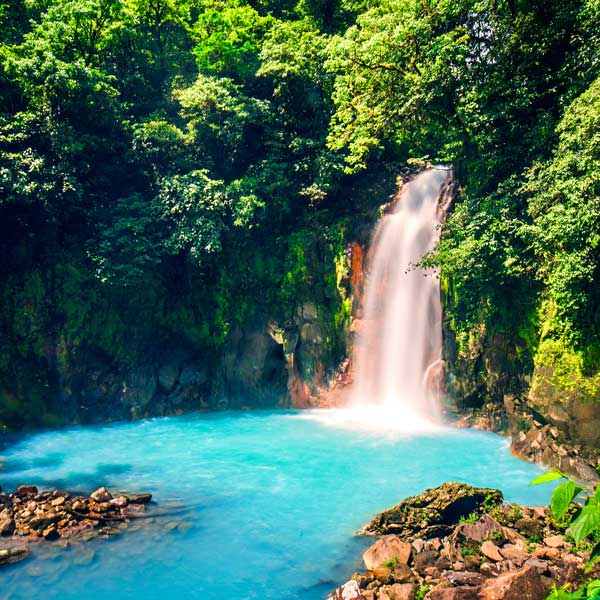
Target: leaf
<point>562,497</point>
<point>593,587</point>
<point>587,522</point>
<point>547,478</point>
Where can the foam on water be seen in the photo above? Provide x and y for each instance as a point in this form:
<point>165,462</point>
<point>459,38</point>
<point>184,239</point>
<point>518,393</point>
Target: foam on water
<point>262,505</point>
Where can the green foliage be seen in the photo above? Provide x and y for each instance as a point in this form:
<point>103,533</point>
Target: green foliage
<point>472,518</point>
<point>583,522</point>
<point>391,562</point>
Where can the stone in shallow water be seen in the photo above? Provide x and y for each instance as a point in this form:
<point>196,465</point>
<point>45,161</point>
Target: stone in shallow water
<point>101,495</point>
<point>386,549</point>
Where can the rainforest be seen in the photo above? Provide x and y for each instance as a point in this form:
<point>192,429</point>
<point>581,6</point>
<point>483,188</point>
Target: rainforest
<point>212,240</point>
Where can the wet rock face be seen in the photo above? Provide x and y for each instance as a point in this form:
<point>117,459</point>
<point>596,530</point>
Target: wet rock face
<point>434,512</point>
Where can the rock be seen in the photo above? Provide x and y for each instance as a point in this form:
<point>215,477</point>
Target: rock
<point>387,549</point>
<point>453,593</point>
<point>425,559</point>
<point>44,520</point>
<point>524,584</point>
<point>383,574</point>
<point>546,552</point>
<point>514,554</point>
<point>7,526</point>
<point>540,565</point>
<point>13,555</point>
<point>348,591</point>
<point>58,502</point>
<point>26,490</point>
<point>434,512</point>
<point>120,502</point>
<point>80,506</point>
<point>101,495</point>
<point>399,591</point>
<point>491,551</point>
<point>554,541</point>
<point>419,545</point>
<point>486,528</point>
<point>462,578</point>
<point>402,573</point>
<point>140,498</point>
<point>529,527</point>
<point>50,533</point>
<point>472,562</point>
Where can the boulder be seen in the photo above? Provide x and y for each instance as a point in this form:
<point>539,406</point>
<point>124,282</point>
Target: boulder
<point>434,512</point>
<point>389,548</point>
<point>524,584</point>
<point>348,591</point>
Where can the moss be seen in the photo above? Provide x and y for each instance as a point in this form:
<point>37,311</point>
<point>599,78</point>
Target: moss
<point>562,368</point>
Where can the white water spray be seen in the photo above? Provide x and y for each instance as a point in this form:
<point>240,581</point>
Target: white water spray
<point>400,337</point>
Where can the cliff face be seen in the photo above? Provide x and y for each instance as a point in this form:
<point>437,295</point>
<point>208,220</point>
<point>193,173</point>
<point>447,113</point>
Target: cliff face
<point>547,378</point>
<point>266,324</point>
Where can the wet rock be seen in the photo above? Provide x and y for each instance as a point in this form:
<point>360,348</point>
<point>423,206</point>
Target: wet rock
<point>24,491</point>
<point>140,498</point>
<point>58,502</point>
<point>7,526</point>
<point>434,512</point>
<point>120,502</point>
<point>13,555</point>
<point>524,584</point>
<point>389,548</point>
<point>348,591</point>
<point>44,520</point>
<point>101,495</point>
<point>50,533</point>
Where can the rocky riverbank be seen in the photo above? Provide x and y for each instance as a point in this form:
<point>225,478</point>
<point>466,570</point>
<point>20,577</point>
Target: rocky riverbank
<point>28,516</point>
<point>457,542</point>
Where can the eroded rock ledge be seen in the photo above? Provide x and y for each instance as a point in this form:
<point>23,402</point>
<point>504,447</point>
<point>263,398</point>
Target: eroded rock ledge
<point>457,542</point>
<point>28,516</point>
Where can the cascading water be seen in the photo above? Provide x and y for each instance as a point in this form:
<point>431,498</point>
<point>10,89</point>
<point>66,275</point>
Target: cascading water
<point>400,337</point>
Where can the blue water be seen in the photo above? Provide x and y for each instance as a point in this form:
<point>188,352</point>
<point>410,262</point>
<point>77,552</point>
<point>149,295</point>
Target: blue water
<point>264,504</point>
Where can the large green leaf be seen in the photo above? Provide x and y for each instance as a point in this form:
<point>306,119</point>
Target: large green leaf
<point>587,522</point>
<point>561,498</point>
<point>547,477</point>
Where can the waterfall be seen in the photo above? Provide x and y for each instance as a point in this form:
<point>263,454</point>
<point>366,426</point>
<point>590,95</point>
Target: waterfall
<point>400,337</point>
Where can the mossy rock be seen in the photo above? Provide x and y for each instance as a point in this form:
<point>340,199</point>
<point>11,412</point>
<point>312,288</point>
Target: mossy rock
<point>434,512</point>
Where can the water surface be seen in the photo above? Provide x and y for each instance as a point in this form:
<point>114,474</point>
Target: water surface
<point>271,501</point>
